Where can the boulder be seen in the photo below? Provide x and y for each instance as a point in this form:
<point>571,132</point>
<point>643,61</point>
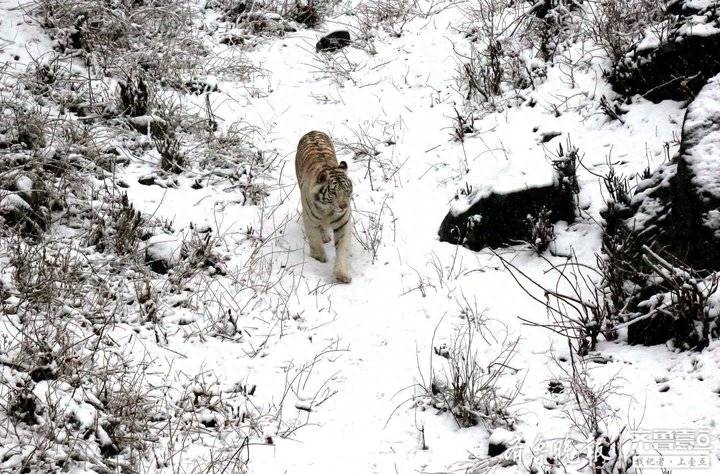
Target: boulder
<point>497,219</point>
<point>163,252</point>
<point>500,440</point>
<point>678,206</point>
<point>24,202</point>
<point>333,41</point>
<point>675,209</point>
<point>677,67</point>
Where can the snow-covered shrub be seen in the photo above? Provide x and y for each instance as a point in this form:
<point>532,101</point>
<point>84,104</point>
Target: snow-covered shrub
<point>390,15</point>
<point>618,26</point>
<point>165,132</point>
<point>272,17</point>
<point>368,228</point>
<point>542,230</point>
<point>134,94</point>
<point>483,72</point>
<point>22,123</point>
<point>566,162</point>
<point>156,35</point>
<point>469,385</point>
<point>25,199</point>
<point>551,24</point>
<point>589,410</point>
<point>463,124</point>
<point>576,306</point>
<point>196,253</point>
<point>371,148</point>
<point>680,307</point>
<point>494,62</point>
<point>67,387</point>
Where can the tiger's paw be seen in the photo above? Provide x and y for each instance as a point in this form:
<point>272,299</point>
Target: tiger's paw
<point>319,256</point>
<point>342,276</point>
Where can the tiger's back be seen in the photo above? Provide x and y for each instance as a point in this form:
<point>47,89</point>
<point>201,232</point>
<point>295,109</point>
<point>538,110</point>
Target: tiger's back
<point>315,152</point>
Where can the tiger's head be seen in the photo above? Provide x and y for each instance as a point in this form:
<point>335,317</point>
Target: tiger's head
<point>334,190</point>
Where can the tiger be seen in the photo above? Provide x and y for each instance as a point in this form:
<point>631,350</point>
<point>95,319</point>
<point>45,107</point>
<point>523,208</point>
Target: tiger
<point>325,193</point>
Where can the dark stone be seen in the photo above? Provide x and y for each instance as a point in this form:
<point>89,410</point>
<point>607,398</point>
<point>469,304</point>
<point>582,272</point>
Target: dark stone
<point>157,265</point>
<point>676,211</point>
<point>672,209</point>
<point>677,68</point>
<point>148,180</point>
<point>25,406</point>
<point>232,40</point>
<point>496,449</point>
<point>333,41</point>
<point>199,86</point>
<point>502,219</point>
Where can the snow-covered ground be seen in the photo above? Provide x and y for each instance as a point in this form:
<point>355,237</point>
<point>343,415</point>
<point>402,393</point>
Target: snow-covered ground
<point>346,364</point>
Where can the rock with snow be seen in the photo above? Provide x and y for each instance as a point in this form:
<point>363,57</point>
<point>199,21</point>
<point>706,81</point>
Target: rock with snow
<point>675,209</point>
<point>333,41</point>
<point>675,67</point>
<point>163,252</point>
<point>500,215</point>
<point>147,123</point>
<point>24,202</point>
<point>682,198</point>
<point>500,440</point>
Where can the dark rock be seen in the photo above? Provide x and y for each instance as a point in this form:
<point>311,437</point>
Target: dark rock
<point>496,449</point>
<point>678,67</point>
<point>675,210</point>
<point>502,219</point>
<point>232,40</point>
<point>547,136</point>
<point>148,180</point>
<point>555,386</point>
<point>333,41</point>
<point>682,199</point>
<point>200,86</point>
<point>500,440</point>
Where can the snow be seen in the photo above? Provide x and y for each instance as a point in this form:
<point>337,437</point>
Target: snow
<point>702,129</point>
<point>164,248</point>
<point>13,202</point>
<point>343,362</point>
<point>24,183</point>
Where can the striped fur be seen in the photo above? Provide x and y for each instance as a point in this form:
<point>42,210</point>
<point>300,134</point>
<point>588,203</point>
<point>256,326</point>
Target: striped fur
<point>325,193</point>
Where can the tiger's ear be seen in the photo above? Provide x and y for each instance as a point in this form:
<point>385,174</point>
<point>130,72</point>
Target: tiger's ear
<point>343,166</point>
<point>322,177</point>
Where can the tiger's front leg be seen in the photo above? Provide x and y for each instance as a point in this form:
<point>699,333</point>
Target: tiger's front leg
<point>315,236</point>
<point>342,254</point>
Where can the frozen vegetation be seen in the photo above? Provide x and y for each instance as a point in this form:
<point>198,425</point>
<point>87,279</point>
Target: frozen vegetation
<point>536,236</point>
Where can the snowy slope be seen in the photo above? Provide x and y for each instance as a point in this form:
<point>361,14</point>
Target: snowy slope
<point>350,356</point>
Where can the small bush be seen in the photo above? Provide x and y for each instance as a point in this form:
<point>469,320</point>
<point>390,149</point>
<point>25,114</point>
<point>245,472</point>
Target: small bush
<point>542,230</point>
<point>134,95</point>
<point>165,135</point>
<point>618,25</point>
<point>468,386</point>
<point>390,15</point>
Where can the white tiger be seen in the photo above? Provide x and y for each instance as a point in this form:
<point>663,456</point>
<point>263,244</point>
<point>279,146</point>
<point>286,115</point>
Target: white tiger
<point>325,193</point>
